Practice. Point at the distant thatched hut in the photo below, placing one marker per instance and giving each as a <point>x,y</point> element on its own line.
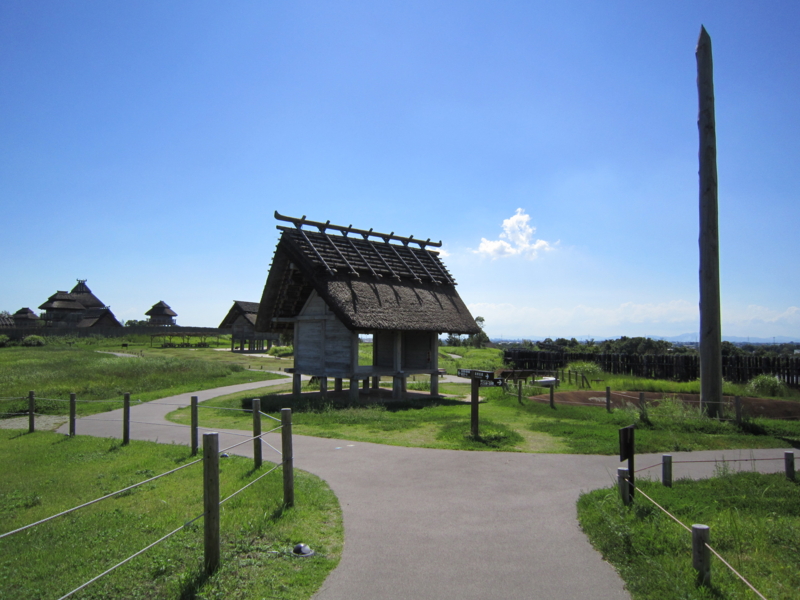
<point>25,318</point>
<point>78,308</point>
<point>161,314</point>
<point>241,320</point>
<point>329,288</point>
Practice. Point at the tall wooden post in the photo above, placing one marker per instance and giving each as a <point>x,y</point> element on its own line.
<point>710,327</point>
<point>476,386</point>
<point>211,501</point>
<point>31,411</point>
<point>257,460</point>
<point>126,419</point>
<point>287,455</point>
<point>195,423</point>
<point>72,411</point>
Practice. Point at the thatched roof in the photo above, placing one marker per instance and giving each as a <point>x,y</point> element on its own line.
<point>248,309</point>
<point>25,314</point>
<point>161,309</point>
<point>102,317</point>
<point>84,295</point>
<point>62,301</point>
<point>6,321</point>
<point>369,284</point>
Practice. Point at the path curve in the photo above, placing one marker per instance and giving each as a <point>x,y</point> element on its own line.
<point>444,524</point>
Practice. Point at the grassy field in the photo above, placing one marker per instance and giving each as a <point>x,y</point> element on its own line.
<point>55,371</point>
<point>505,424</point>
<point>51,473</point>
<point>755,526</point>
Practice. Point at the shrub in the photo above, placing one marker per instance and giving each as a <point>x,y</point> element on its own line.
<point>3,340</point>
<point>766,385</point>
<point>585,367</point>
<point>281,351</point>
<point>34,340</point>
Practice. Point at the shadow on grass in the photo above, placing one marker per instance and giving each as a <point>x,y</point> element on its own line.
<point>191,585</point>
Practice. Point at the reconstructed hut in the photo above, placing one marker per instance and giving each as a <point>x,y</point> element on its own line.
<point>24,318</point>
<point>161,314</point>
<point>241,320</point>
<point>329,284</point>
<point>72,309</point>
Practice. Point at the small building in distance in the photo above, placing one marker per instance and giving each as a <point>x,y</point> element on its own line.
<point>329,288</point>
<point>241,320</point>
<point>71,309</point>
<point>161,314</point>
<point>25,318</point>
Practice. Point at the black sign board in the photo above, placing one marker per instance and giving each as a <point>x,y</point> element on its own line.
<point>473,374</point>
<point>626,443</point>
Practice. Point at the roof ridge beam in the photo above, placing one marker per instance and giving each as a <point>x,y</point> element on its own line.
<point>349,229</point>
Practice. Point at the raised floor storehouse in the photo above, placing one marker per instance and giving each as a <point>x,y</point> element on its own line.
<point>329,284</point>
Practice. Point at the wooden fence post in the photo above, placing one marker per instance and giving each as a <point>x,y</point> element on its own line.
<point>608,399</point>
<point>519,391</point>
<point>701,555</point>
<point>474,426</point>
<point>256,433</point>
<point>288,461</point>
<point>195,425</point>
<point>31,410</point>
<point>666,470</point>
<point>211,501</point>
<point>624,487</point>
<point>126,419</point>
<point>552,397</point>
<point>788,461</point>
<point>72,411</point>
<point>737,403</point>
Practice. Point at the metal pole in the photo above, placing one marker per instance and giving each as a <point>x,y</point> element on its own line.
<point>288,461</point>
<point>195,425</point>
<point>788,461</point>
<point>256,433</point>
<point>72,411</point>
<point>126,419</point>
<point>211,500</point>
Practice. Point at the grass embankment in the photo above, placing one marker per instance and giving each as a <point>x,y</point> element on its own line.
<point>755,526</point>
<point>50,473</point>
<point>505,424</point>
<point>53,372</point>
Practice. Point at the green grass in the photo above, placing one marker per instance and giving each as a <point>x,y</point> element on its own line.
<point>484,359</point>
<point>755,525</point>
<point>670,427</point>
<point>53,372</point>
<point>50,473</point>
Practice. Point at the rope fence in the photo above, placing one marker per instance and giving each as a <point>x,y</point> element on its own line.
<point>703,567</point>
<point>210,460</point>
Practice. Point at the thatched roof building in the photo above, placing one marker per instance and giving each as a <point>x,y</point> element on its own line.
<point>330,285</point>
<point>161,314</point>
<point>71,309</point>
<point>241,320</point>
<point>25,317</point>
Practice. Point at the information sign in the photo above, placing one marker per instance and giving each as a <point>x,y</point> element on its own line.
<point>473,374</point>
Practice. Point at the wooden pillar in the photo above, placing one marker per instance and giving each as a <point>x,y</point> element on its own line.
<point>296,384</point>
<point>376,383</point>
<point>287,456</point>
<point>323,386</point>
<point>366,384</point>
<point>397,363</point>
<point>710,327</point>
<point>337,384</point>
<point>353,389</point>
<point>257,459</point>
<point>474,427</point>
<point>434,364</point>
<point>211,501</point>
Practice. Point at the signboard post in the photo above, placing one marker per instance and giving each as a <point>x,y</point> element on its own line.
<point>626,450</point>
<point>479,378</point>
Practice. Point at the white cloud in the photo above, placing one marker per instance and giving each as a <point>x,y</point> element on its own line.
<point>516,239</point>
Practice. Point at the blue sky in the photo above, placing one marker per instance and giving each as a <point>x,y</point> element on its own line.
<point>552,147</point>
